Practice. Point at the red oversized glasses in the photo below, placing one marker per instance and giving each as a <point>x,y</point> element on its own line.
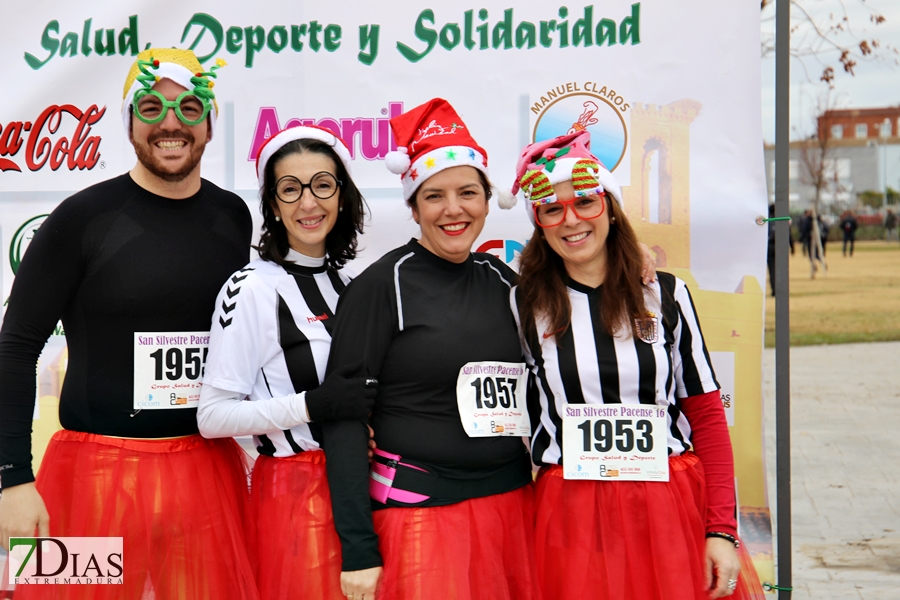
<point>585,208</point>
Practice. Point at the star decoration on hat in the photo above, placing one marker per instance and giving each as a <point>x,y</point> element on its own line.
<point>429,139</point>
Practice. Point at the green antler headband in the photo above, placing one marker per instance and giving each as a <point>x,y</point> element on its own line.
<point>203,83</point>
<point>191,106</point>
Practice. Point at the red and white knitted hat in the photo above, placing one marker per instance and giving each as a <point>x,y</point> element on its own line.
<point>300,132</point>
<point>431,138</point>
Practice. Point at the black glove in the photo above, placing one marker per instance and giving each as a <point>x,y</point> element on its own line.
<point>341,396</point>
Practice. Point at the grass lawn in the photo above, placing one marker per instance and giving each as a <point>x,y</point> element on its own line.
<point>857,300</point>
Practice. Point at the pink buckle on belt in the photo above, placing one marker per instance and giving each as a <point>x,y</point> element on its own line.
<point>381,479</point>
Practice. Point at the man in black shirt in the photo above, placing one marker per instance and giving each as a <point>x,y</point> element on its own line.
<point>132,266</point>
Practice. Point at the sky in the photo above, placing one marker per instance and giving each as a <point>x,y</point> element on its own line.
<point>875,84</point>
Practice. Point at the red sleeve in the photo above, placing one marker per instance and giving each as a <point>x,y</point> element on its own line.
<point>712,444</point>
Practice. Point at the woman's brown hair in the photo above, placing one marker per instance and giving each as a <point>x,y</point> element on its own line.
<point>542,281</point>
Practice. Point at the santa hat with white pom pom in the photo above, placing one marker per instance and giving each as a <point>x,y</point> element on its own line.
<point>431,138</point>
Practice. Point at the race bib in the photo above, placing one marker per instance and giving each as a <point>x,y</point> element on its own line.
<point>615,442</point>
<point>491,399</point>
<point>167,369</point>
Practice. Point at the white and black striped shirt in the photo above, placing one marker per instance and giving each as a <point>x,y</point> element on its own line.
<point>590,366</point>
<point>269,343</point>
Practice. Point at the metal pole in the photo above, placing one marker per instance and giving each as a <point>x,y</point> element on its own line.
<point>782,306</point>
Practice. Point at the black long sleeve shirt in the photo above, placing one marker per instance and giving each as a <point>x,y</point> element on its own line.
<point>112,260</point>
<point>413,320</point>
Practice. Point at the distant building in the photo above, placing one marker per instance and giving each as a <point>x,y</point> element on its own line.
<point>863,155</point>
<point>860,123</point>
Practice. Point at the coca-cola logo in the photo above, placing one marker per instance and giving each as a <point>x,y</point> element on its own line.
<point>80,151</point>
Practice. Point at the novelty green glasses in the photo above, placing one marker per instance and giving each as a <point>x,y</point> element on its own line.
<point>151,107</point>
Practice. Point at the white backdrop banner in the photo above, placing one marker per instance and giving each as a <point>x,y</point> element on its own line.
<point>668,90</point>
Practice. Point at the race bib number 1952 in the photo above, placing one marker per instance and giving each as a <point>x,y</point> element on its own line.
<point>491,399</point>
<point>168,367</point>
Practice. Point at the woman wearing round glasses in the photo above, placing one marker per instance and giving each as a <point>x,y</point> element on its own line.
<point>635,497</point>
<point>268,348</point>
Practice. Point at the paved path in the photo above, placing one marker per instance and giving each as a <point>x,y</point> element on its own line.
<point>845,413</point>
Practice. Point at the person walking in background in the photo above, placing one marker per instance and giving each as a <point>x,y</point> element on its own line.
<point>823,233</point>
<point>813,232</point>
<point>890,226</point>
<point>849,225</point>
<point>770,252</point>
<point>804,228</point>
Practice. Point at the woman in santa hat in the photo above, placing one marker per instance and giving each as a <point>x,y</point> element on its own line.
<point>447,507</point>
<point>635,497</point>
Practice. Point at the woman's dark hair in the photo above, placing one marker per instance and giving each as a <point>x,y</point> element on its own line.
<point>542,281</point>
<point>341,241</point>
<point>485,183</point>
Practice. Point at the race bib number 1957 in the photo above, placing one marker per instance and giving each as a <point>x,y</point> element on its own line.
<point>491,399</point>
<point>168,367</point>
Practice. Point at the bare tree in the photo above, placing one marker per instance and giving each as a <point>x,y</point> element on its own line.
<point>832,40</point>
<point>819,170</point>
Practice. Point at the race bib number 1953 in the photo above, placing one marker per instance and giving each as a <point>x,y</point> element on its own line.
<point>491,399</point>
<point>615,442</point>
<point>168,367</point>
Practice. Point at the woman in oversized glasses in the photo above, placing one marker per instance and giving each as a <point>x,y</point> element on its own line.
<point>635,497</point>
<point>271,334</point>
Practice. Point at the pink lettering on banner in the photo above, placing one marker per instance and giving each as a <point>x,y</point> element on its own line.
<point>369,136</point>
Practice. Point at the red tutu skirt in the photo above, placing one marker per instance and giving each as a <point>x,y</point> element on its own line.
<point>479,549</point>
<point>179,505</point>
<point>291,504</point>
<point>627,539</point>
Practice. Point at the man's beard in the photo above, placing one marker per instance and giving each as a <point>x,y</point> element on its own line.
<point>159,167</point>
